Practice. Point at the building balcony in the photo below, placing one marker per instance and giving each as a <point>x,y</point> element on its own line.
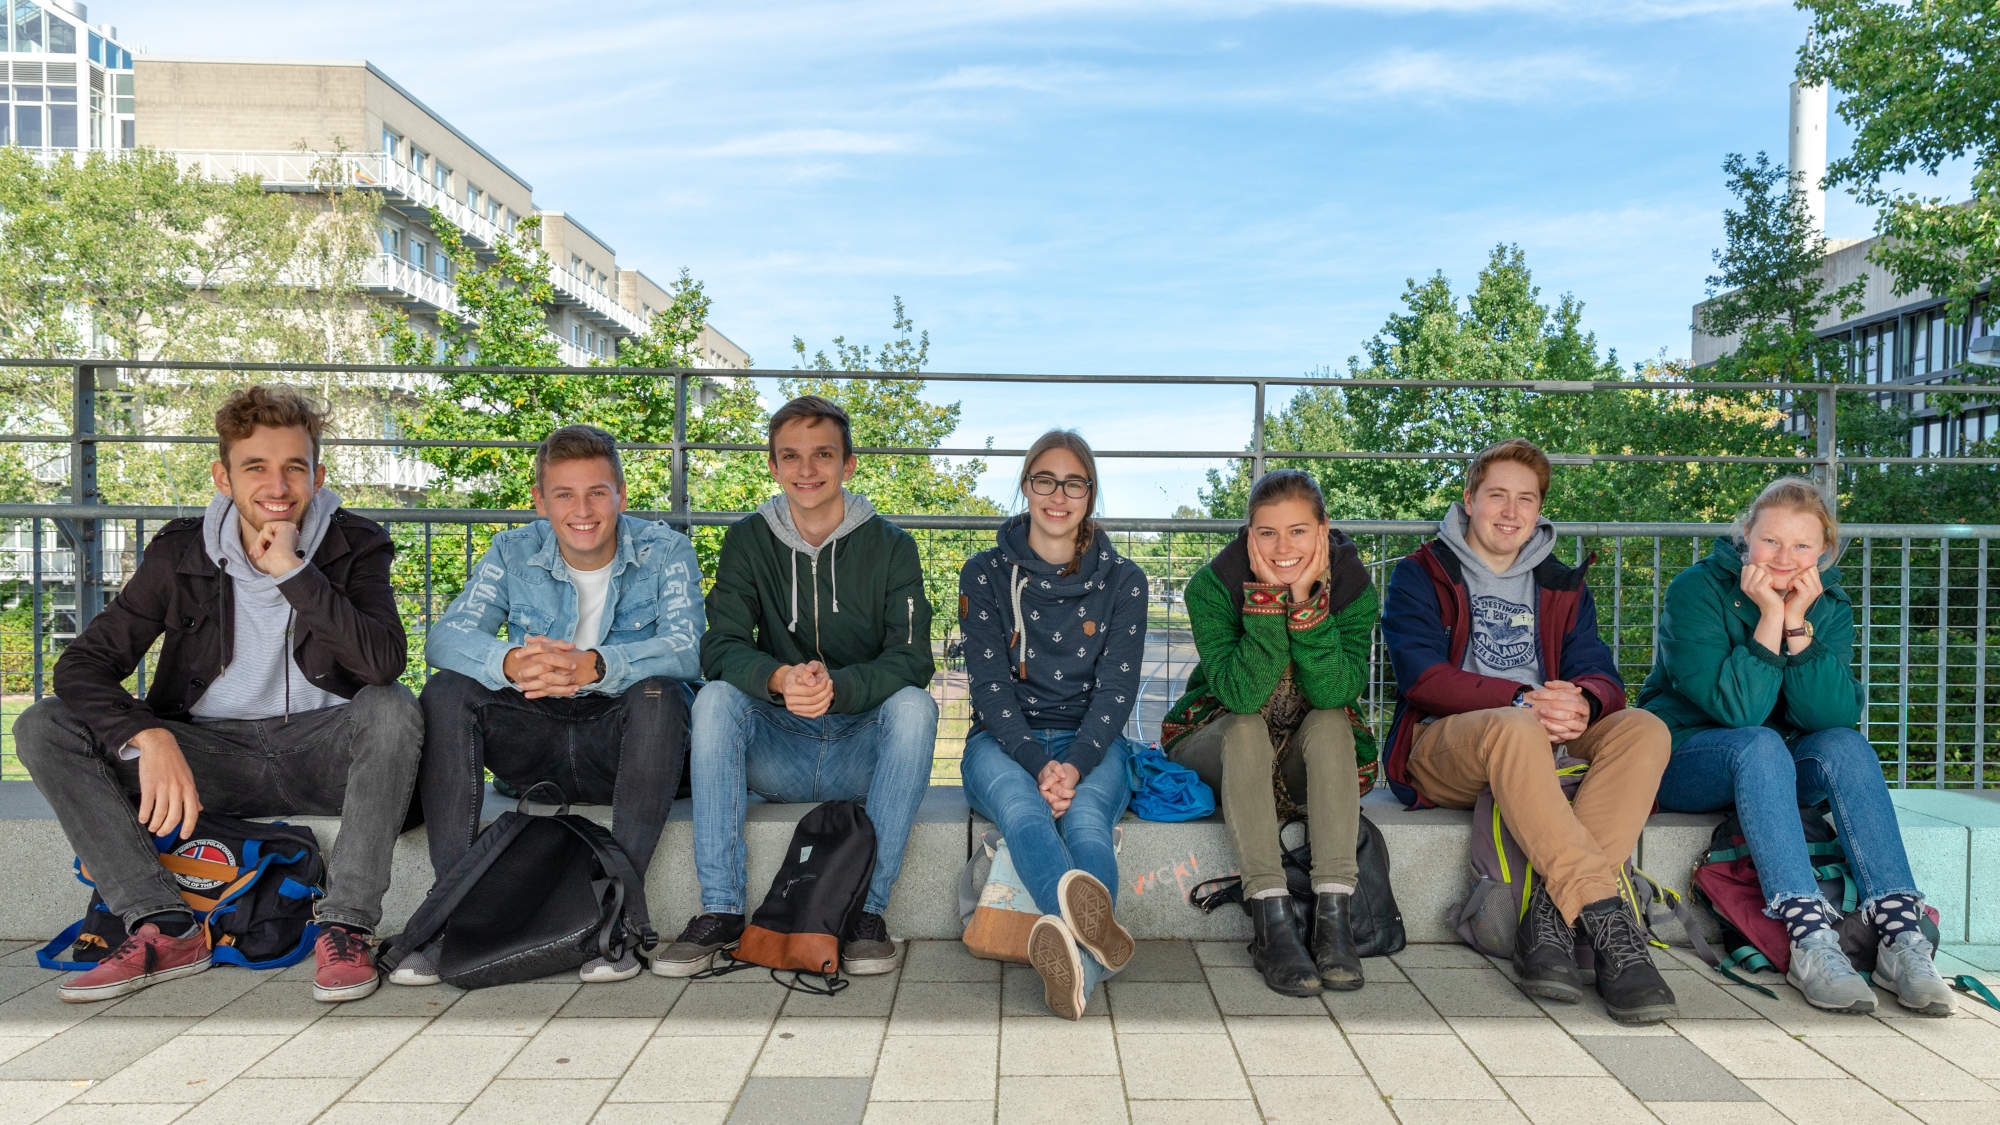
<point>573,290</point>
<point>401,188</point>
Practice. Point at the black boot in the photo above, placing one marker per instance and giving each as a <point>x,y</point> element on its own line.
<point>1333,952</point>
<point>1633,990</point>
<point>1278,950</point>
<point>1545,951</point>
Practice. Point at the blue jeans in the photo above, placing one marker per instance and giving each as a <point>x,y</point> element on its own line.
<point>742,745</point>
<point>1044,846</point>
<point>1768,781</point>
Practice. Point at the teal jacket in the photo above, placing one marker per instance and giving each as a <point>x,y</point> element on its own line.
<point>1709,672</point>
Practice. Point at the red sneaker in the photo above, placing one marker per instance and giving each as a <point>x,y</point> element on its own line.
<point>346,966</point>
<point>143,960</point>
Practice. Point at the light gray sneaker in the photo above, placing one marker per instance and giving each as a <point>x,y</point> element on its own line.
<point>1827,979</point>
<point>599,970</point>
<point>416,970</point>
<point>1903,965</point>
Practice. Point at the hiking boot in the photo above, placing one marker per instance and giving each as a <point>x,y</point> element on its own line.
<point>1333,954</point>
<point>601,970</point>
<point>1903,965</point>
<point>705,936</point>
<point>345,966</point>
<point>868,950</point>
<point>140,961</point>
<point>1052,953</point>
<point>1545,951</point>
<point>1277,949</point>
<point>418,969</point>
<point>1632,989</point>
<point>1086,910</point>
<point>1822,973</point>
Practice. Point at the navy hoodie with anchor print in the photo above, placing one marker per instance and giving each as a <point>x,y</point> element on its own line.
<point>1048,651</point>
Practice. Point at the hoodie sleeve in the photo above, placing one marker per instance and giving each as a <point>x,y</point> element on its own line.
<point>1330,649</point>
<point>1117,672</point>
<point>1243,654</point>
<point>905,656</point>
<point>990,683</point>
<point>729,649</point>
<point>1735,685</point>
<point>466,639</point>
<point>673,649</point>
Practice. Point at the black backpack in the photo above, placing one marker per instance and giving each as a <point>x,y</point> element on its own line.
<point>813,901</point>
<point>1376,922</point>
<point>539,893</point>
<point>252,884</point>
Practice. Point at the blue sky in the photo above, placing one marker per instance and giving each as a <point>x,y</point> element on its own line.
<point>1178,187</point>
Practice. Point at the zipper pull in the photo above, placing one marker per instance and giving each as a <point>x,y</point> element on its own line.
<point>910,621</point>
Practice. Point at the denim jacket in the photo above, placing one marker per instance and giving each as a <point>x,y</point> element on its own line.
<point>653,610</point>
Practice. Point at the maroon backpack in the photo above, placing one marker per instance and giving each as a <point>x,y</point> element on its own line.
<point>1725,881</point>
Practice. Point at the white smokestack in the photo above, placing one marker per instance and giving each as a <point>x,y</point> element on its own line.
<point>1807,160</point>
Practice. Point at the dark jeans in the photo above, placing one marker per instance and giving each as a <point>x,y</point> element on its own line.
<point>357,761</point>
<point>625,751</point>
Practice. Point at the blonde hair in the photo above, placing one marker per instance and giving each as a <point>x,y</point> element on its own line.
<point>1086,529</point>
<point>1795,494</point>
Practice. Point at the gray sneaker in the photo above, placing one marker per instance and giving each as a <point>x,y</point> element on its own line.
<point>705,936</point>
<point>417,970</point>
<point>1823,974</point>
<point>600,970</point>
<point>868,950</point>
<point>1903,965</point>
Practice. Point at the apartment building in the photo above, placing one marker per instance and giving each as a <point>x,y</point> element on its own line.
<point>67,85</point>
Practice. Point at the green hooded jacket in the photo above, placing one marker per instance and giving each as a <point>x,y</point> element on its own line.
<point>855,602</point>
<point>1709,672</point>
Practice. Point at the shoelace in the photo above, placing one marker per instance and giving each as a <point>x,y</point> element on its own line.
<point>703,930</point>
<point>1826,961</point>
<point>870,927</point>
<point>1549,928</point>
<point>1617,937</point>
<point>344,946</point>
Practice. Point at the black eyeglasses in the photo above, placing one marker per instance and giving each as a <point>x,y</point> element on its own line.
<point>1045,484</point>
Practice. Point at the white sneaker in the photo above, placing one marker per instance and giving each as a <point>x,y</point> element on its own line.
<point>1826,978</point>
<point>1904,967</point>
<point>416,970</point>
<point>598,970</point>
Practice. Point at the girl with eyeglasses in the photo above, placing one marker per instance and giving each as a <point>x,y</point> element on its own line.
<point>1282,619</point>
<point>1055,628</point>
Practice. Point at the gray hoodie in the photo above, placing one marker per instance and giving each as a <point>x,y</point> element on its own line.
<point>1503,640</point>
<point>261,680</point>
<point>777,512</point>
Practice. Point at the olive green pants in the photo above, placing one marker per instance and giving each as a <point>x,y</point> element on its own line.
<point>1233,755</point>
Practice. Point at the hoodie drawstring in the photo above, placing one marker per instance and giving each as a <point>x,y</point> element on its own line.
<point>794,626</point>
<point>833,571</point>
<point>1016,584</point>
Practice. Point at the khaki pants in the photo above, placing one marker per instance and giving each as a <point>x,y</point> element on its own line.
<point>1578,848</point>
<point>1233,755</point>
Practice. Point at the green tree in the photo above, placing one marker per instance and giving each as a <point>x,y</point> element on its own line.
<point>1920,85</point>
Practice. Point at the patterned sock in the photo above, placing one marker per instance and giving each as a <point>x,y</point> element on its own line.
<point>1892,914</point>
<point>1802,916</point>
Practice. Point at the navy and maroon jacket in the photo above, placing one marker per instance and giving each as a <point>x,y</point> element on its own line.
<point>1427,622</point>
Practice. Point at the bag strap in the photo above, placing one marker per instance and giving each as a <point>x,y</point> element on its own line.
<point>1228,889</point>
<point>1973,986</point>
<point>627,899</point>
<point>971,879</point>
<point>451,888</point>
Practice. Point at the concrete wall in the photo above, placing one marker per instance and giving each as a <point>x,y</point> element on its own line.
<point>1846,260</point>
<point>252,107</point>
<point>563,236</point>
<point>388,106</point>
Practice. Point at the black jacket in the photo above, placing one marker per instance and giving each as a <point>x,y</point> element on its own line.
<point>348,634</point>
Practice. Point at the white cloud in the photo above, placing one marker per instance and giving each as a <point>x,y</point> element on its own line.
<point>810,142</point>
<point>1052,79</point>
<point>1429,75</point>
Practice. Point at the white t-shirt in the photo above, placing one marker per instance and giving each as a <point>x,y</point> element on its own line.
<point>593,588</point>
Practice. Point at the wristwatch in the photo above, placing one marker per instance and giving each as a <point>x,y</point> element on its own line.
<point>600,662</point>
<point>1521,697</point>
<point>1806,631</point>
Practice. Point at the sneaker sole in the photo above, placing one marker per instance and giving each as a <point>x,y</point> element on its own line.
<point>347,992</point>
<point>678,969</point>
<point>608,974</point>
<point>1650,1013</point>
<point>1053,955</point>
<point>1936,1010</point>
<point>869,966</point>
<point>92,995</point>
<point>1559,991</point>
<point>1087,910</point>
<point>1860,1007</point>
<point>407,979</point>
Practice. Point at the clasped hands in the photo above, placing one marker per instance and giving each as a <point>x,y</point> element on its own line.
<point>1057,783</point>
<point>1756,583</point>
<point>807,689</point>
<point>543,668</point>
<point>1561,707</point>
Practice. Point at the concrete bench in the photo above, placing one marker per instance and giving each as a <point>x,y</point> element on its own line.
<point>1953,839</point>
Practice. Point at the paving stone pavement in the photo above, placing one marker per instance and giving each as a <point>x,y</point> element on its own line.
<point>1186,1034</point>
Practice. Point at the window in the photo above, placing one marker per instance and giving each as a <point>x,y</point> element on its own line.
<point>392,144</point>
<point>27,26</point>
<point>441,177</point>
<point>419,161</point>
<point>493,210</point>
<point>1920,344</point>
<point>62,126</point>
<point>1939,360</point>
<point>446,268</point>
<point>472,199</point>
<point>128,134</point>
<point>122,88</point>
<point>575,265</point>
<point>96,48</point>
<point>420,255</point>
<point>392,241</point>
<point>28,126</point>
<point>62,94</point>
<point>62,35</point>
<point>576,334</point>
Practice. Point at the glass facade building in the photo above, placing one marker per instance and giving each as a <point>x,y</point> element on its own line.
<point>68,85</point>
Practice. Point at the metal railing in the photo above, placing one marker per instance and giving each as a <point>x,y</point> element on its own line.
<point>1926,657</point>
